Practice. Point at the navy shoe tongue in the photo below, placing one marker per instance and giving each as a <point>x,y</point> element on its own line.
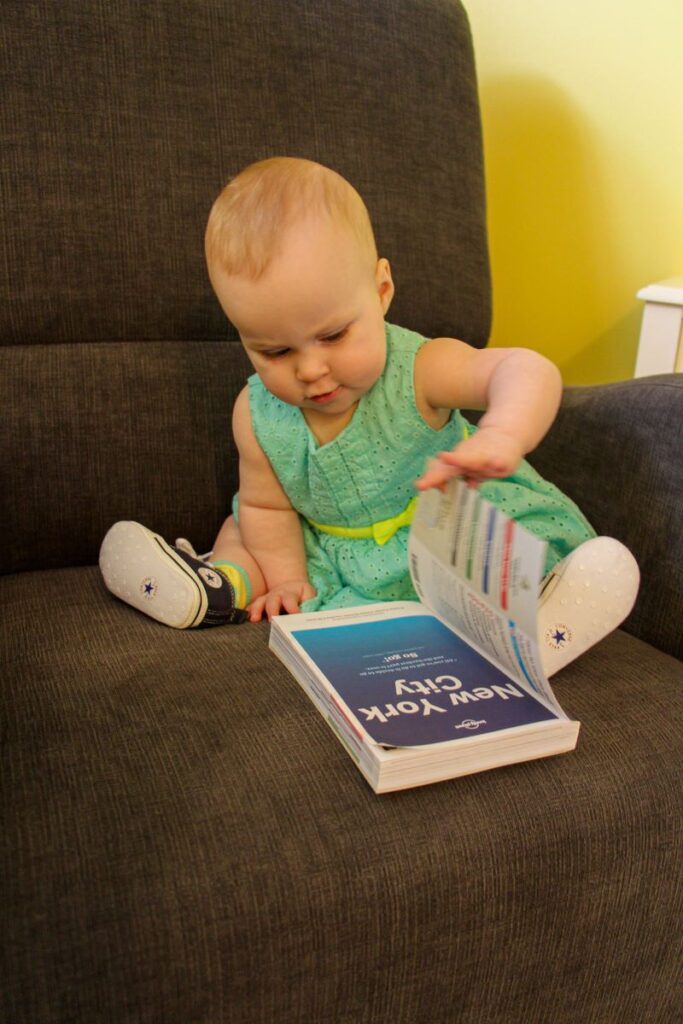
<point>220,595</point>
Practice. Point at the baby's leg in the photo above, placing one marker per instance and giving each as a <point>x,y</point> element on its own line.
<point>585,596</point>
<point>229,554</point>
<point>171,585</point>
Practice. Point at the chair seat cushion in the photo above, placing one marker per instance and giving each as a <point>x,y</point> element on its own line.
<point>186,839</point>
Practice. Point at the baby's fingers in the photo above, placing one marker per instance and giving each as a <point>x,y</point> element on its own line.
<point>477,462</point>
<point>289,603</point>
<point>437,474</point>
<point>256,608</point>
<point>276,601</point>
<point>291,598</point>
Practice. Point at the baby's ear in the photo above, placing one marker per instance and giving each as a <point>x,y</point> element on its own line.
<point>385,283</point>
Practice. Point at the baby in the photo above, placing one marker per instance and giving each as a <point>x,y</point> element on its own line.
<point>344,418</point>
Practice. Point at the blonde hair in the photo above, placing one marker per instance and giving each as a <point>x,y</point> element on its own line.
<point>248,219</point>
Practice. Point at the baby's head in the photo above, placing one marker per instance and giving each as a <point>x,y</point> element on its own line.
<point>250,219</point>
<point>292,257</point>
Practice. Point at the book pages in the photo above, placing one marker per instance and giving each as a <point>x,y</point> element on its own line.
<point>480,572</point>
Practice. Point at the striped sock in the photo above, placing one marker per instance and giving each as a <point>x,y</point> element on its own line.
<point>238,580</point>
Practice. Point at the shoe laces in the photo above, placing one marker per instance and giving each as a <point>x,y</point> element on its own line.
<point>183,544</point>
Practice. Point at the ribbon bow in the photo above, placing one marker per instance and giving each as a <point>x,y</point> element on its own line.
<point>380,532</point>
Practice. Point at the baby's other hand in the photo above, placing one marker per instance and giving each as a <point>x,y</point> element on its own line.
<point>485,455</point>
<point>285,596</point>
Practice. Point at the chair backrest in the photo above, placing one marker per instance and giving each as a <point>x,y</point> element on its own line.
<point>121,122</point>
<point>119,125</point>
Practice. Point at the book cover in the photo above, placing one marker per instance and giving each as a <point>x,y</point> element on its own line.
<point>412,681</point>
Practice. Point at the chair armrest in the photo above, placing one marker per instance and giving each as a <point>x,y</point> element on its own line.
<point>617,450</point>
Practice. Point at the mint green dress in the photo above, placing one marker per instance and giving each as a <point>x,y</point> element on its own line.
<point>366,475</point>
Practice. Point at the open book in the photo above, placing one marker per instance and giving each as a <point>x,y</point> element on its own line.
<point>419,692</point>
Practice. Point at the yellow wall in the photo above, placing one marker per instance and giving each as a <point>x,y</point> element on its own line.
<point>582,105</point>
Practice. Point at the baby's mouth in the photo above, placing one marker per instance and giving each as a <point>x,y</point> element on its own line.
<point>325,396</point>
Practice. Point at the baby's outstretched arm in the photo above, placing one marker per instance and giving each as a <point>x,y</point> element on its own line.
<point>269,527</point>
<point>520,390</point>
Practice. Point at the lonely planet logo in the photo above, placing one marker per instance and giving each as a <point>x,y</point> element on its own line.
<point>471,723</point>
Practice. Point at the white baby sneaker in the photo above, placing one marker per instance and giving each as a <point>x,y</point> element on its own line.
<point>586,595</point>
<point>166,582</point>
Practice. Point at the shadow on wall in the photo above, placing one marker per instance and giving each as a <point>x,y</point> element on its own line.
<point>609,357</point>
<point>563,281</point>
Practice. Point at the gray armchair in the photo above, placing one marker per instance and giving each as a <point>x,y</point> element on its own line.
<point>184,840</point>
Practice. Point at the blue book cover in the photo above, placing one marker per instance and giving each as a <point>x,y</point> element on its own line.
<point>410,681</point>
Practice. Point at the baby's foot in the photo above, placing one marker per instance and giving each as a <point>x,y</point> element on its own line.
<point>587,595</point>
<point>163,581</point>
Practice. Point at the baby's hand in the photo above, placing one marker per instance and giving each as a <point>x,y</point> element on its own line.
<point>487,454</point>
<point>285,596</point>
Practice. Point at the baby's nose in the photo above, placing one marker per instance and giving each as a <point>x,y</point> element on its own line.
<point>311,366</point>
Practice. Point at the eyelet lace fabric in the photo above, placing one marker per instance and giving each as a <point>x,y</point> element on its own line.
<point>366,475</point>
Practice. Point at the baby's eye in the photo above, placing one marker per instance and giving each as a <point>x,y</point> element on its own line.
<point>275,353</point>
<point>336,337</point>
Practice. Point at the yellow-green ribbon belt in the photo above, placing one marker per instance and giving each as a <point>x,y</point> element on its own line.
<point>380,532</point>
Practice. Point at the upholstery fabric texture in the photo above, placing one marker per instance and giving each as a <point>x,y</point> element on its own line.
<point>122,122</point>
<point>617,451</point>
<point>126,430</point>
<point>190,842</point>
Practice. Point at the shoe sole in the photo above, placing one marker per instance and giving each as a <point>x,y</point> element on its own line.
<point>140,568</point>
<point>587,596</point>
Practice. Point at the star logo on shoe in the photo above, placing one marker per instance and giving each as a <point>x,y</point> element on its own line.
<point>149,587</point>
<point>558,636</point>
<point>211,577</point>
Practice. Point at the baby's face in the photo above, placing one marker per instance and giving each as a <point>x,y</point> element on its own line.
<point>313,325</point>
